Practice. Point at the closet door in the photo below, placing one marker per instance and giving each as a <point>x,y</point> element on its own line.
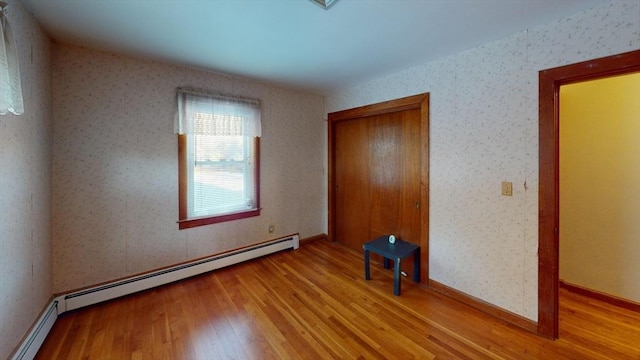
<point>377,163</point>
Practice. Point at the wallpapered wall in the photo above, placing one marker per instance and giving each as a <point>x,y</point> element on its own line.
<point>25,187</point>
<point>115,167</point>
<point>484,130</point>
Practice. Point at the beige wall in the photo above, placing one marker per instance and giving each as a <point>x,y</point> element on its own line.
<point>115,167</point>
<point>600,185</point>
<point>25,187</point>
<point>483,130</point>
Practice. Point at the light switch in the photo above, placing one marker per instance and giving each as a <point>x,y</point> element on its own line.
<point>507,188</point>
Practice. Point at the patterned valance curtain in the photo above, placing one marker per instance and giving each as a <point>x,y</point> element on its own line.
<point>10,88</point>
<point>203,113</point>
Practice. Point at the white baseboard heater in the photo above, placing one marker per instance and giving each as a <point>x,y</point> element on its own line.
<point>115,289</point>
<point>38,333</point>
<point>156,278</point>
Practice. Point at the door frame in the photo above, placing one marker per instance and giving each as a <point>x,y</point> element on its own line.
<point>421,102</point>
<point>550,81</point>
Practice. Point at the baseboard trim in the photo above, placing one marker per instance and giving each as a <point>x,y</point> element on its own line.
<point>600,296</point>
<point>485,307</point>
<point>315,238</point>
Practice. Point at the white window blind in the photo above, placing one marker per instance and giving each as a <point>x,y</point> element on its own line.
<point>228,114</point>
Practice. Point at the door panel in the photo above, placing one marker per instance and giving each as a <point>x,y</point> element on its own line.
<point>352,198</point>
<point>385,173</point>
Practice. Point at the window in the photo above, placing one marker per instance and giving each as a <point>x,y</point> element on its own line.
<point>218,151</point>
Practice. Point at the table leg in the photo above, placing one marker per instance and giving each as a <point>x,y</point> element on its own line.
<point>416,266</point>
<point>366,265</point>
<point>385,263</point>
<point>396,278</point>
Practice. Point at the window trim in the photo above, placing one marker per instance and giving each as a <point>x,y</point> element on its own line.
<point>184,222</point>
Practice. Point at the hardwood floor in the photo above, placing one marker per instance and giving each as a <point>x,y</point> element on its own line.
<point>313,303</point>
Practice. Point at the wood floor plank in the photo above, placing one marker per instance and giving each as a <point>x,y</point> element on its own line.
<point>313,303</point>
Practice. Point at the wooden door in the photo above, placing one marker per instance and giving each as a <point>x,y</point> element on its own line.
<point>377,179</point>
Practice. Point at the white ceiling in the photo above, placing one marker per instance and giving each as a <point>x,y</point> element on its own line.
<point>294,43</point>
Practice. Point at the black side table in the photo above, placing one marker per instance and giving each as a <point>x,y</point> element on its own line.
<point>396,252</point>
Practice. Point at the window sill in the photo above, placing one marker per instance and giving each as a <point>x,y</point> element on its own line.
<point>195,222</point>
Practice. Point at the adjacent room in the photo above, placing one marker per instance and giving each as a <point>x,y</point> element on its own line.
<point>197,179</point>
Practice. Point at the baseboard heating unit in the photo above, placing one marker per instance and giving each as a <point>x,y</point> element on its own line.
<point>149,280</point>
<point>35,338</point>
<point>115,289</point>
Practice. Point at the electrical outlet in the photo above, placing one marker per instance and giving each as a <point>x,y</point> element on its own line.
<point>271,229</point>
<point>507,188</point>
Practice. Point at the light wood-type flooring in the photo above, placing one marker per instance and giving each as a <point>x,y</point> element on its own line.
<point>313,303</point>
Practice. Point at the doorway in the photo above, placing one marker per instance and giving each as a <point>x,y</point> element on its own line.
<point>600,188</point>
<point>378,174</point>
<point>548,214</point>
